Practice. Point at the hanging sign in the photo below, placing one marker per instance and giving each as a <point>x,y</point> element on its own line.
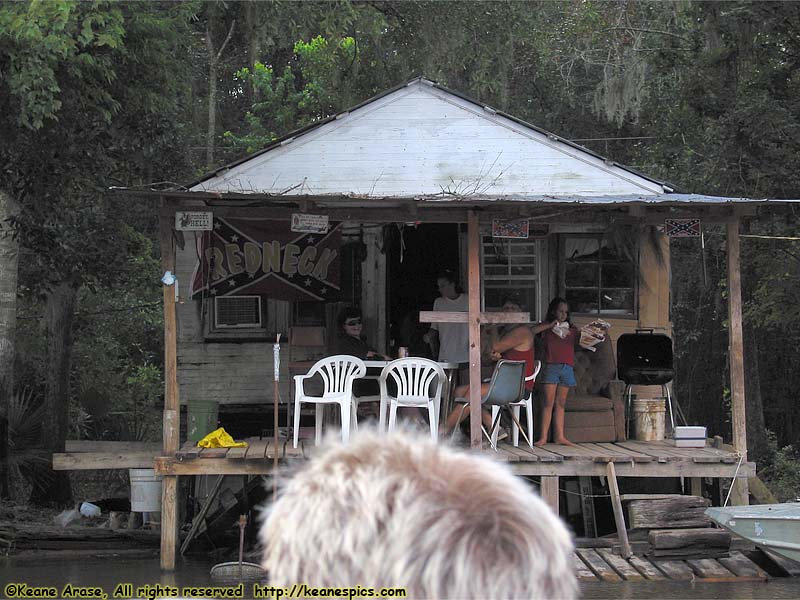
<point>264,257</point>
<point>194,221</point>
<point>518,228</point>
<point>682,227</point>
<point>303,223</point>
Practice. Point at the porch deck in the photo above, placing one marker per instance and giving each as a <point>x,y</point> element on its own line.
<point>630,458</point>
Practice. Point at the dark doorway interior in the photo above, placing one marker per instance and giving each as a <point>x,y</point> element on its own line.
<point>415,255</point>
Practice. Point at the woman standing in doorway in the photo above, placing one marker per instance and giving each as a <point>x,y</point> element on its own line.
<point>558,375</point>
<point>450,341</point>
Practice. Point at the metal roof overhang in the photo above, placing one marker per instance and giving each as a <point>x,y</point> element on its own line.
<point>363,201</point>
<point>450,208</point>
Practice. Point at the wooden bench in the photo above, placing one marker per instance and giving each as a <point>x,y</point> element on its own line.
<point>85,455</point>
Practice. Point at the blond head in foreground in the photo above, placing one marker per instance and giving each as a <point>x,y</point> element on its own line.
<point>398,510</point>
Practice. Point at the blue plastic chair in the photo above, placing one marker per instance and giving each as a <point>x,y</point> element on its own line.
<point>506,387</point>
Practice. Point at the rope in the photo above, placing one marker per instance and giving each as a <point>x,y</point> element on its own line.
<point>730,489</point>
<point>768,237</point>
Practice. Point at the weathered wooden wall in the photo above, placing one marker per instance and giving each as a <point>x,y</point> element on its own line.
<point>230,372</point>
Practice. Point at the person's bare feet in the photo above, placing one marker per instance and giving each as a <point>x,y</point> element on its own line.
<point>563,442</point>
<point>540,443</point>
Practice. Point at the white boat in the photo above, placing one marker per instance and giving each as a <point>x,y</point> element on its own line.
<point>775,527</point>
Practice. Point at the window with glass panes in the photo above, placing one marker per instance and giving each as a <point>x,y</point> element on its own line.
<point>511,265</point>
<point>598,278</point>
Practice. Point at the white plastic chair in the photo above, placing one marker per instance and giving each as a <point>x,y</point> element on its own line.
<point>338,373</point>
<point>527,402</point>
<point>419,383</point>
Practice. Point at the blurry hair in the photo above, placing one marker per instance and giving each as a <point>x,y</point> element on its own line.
<point>553,306</point>
<point>349,312</point>
<point>399,510</point>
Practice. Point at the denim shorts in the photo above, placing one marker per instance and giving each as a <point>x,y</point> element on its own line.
<point>558,373</point>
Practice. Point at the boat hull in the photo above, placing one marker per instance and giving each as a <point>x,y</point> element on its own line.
<point>775,527</point>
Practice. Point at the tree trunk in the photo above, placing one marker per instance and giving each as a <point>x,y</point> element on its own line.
<point>213,73</point>
<point>53,487</point>
<point>757,449</point>
<point>253,31</point>
<point>212,99</point>
<point>9,261</point>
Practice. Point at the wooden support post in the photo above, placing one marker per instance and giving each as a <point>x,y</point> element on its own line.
<point>548,490</point>
<point>474,321</point>
<point>696,486</point>
<point>587,507</point>
<point>619,516</point>
<point>373,290</point>
<point>740,494</point>
<point>171,423</point>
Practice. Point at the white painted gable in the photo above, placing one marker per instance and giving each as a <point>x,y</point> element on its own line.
<point>422,140</point>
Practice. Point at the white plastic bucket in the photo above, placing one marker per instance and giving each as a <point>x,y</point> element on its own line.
<point>145,490</point>
<point>649,419</point>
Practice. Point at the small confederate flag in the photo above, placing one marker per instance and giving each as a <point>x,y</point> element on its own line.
<point>682,227</point>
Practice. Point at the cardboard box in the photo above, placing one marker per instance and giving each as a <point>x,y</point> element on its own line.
<point>692,436</point>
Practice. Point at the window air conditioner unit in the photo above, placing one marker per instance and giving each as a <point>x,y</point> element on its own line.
<point>232,312</point>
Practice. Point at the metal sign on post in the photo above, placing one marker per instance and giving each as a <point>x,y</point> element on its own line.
<point>682,227</point>
<point>303,223</point>
<point>194,221</point>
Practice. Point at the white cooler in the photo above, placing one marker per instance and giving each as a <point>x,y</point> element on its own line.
<point>691,436</point>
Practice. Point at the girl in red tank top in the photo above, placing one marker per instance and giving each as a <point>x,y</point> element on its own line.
<point>558,375</point>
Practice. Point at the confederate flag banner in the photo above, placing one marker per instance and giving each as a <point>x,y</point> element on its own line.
<point>263,257</point>
<point>682,227</point>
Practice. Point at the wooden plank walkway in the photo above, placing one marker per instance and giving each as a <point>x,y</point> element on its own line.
<point>602,564</point>
<point>631,459</point>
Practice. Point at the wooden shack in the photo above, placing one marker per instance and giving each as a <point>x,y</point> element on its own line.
<point>416,179</point>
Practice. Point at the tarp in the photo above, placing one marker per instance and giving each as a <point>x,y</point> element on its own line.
<point>264,257</point>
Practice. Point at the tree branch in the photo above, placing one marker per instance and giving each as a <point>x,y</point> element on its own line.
<point>641,30</point>
<point>227,39</point>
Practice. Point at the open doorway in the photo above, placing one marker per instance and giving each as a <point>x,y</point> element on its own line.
<point>415,255</point>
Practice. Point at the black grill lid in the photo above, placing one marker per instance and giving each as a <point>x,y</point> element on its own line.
<point>644,358</point>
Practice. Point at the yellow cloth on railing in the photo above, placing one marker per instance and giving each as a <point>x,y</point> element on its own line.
<point>219,438</point>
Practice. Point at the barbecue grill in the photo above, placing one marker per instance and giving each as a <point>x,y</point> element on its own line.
<point>645,358</point>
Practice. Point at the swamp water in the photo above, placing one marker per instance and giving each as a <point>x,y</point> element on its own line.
<point>108,573</point>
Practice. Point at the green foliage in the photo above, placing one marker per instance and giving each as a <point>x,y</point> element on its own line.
<point>25,416</point>
<point>72,66</point>
<point>42,37</point>
<point>274,113</point>
<point>117,377</point>
<point>306,91</point>
<point>782,471</point>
